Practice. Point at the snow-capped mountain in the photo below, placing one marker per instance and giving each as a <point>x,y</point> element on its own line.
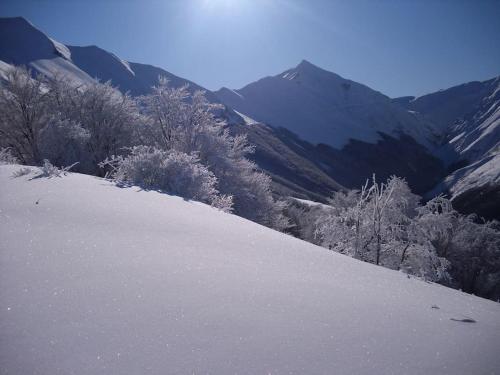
<point>99,279</point>
<point>322,107</point>
<point>23,44</point>
<point>347,129</point>
<point>468,117</point>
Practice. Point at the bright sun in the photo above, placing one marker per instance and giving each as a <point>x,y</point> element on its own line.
<point>222,3</point>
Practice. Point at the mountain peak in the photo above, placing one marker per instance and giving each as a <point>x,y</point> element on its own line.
<point>305,66</point>
<point>305,63</point>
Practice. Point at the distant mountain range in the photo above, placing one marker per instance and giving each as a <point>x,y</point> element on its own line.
<point>316,132</point>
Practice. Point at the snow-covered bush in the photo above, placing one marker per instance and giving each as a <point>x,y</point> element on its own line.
<point>21,172</point>
<point>184,122</point>
<point>47,169</point>
<point>6,156</point>
<point>173,172</point>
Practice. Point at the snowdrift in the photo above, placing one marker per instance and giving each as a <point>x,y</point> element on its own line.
<point>99,279</point>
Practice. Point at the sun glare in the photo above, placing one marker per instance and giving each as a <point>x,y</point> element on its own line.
<point>223,4</point>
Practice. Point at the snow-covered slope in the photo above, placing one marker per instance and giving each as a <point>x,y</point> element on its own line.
<point>482,173</point>
<point>98,279</point>
<point>322,107</point>
<point>128,76</point>
<point>468,116</point>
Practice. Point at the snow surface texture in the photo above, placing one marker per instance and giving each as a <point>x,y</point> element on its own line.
<point>322,107</point>
<point>98,279</point>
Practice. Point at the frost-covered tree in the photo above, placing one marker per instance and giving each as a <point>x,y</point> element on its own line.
<point>342,227</point>
<point>370,224</point>
<point>472,248</point>
<point>385,224</point>
<point>376,224</point>
<point>23,113</point>
<point>63,141</point>
<point>435,224</point>
<point>104,113</point>
<point>44,118</point>
<point>184,122</point>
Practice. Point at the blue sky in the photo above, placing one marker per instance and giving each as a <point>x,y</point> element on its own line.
<point>398,47</point>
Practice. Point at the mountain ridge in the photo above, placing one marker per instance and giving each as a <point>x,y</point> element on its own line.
<point>334,132</point>
<point>335,109</point>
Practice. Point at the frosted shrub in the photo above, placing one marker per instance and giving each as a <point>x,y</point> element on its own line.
<point>63,141</point>
<point>21,172</point>
<point>6,156</point>
<point>169,171</point>
<point>50,170</point>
